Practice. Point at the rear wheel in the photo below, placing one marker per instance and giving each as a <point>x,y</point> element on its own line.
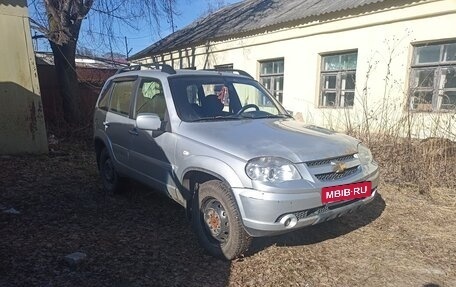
<point>217,221</point>
<point>112,182</point>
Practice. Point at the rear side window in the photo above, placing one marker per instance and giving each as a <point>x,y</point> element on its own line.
<point>104,98</point>
<point>121,96</point>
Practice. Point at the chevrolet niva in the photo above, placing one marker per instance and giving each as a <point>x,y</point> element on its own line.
<point>220,145</point>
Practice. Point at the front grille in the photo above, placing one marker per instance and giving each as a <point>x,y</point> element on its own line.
<point>328,160</point>
<point>335,176</point>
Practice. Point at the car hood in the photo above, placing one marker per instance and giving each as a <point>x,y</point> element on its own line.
<point>284,138</point>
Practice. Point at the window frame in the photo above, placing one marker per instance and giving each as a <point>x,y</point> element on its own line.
<point>438,89</point>
<point>277,94</point>
<point>339,91</point>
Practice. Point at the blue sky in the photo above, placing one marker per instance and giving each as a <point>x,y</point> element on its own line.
<point>188,11</point>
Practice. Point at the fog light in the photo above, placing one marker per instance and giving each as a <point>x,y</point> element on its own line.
<point>289,220</point>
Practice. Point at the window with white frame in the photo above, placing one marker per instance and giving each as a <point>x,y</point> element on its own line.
<point>338,80</point>
<point>271,76</point>
<point>433,77</point>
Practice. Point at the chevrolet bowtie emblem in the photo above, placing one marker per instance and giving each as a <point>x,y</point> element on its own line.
<point>338,166</point>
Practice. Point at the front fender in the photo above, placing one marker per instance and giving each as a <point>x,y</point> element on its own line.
<point>211,166</point>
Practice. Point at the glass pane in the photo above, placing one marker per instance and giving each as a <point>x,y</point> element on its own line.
<point>331,63</point>
<point>266,68</point>
<point>121,95</point>
<point>150,89</point>
<point>279,83</point>
<point>249,94</point>
<point>278,67</point>
<point>279,96</point>
<point>348,81</point>
<point>330,81</point>
<point>349,99</point>
<point>104,101</point>
<point>422,100</point>
<point>151,99</point>
<point>428,54</point>
<point>192,94</point>
<point>450,79</point>
<point>267,82</point>
<point>424,78</point>
<point>349,61</point>
<point>329,99</point>
<point>449,101</point>
<point>450,52</point>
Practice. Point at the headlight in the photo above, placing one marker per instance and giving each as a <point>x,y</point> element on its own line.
<point>364,154</point>
<point>271,169</point>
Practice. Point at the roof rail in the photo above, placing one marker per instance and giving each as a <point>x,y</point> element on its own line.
<point>163,67</point>
<point>240,72</point>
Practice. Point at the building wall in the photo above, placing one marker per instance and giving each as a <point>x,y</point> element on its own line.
<point>384,40</point>
<point>22,128</point>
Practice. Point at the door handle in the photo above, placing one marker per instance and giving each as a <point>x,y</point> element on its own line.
<point>133,132</point>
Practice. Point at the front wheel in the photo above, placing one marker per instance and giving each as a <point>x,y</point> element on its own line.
<point>217,221</point>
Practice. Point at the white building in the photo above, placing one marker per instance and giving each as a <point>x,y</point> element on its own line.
<point>361,65</point>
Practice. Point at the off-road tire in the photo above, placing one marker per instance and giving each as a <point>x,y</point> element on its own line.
<point>235,240</point>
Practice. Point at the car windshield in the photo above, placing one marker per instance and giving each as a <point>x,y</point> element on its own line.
<point>213,98</point>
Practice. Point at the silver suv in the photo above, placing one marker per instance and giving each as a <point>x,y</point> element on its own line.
<point>220,145</point>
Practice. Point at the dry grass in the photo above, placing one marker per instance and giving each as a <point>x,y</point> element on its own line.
<point>419,164</point>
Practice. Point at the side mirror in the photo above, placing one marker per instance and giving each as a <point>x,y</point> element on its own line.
<point>148,122</point>
<point>290,112</point>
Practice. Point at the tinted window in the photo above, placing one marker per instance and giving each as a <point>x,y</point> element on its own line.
<point>120,98</point>
<point>103,103</point>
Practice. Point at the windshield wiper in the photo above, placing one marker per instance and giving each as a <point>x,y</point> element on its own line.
<point>280,116</point>
<point>215,118</point>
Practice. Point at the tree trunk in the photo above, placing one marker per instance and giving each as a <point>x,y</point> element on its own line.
<point>65,67</point>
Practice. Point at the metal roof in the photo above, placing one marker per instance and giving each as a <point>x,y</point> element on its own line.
<point>248,16</point>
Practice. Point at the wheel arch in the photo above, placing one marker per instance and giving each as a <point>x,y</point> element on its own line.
<point>99,145</point>
<point>212,169</point>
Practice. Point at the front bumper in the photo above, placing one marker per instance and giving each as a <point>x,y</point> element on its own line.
<point>262,212</point>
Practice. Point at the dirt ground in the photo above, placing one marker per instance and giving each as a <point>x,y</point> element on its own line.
<point>140,238</point>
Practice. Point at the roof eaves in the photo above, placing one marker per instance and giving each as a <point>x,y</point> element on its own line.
<point>194,34</point>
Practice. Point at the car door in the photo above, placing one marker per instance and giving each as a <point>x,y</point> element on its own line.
<point>119,123</point>
<point>151,152</point>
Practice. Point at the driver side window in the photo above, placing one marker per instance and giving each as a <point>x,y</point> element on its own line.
<point>150,98</point>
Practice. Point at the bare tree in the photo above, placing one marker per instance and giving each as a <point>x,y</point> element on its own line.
<point>60,22</point>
